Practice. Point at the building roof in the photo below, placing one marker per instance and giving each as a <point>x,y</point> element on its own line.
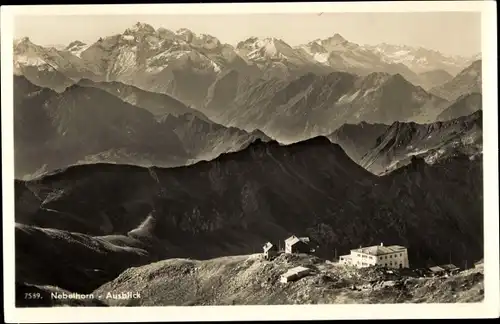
<point>380,249</point>
<point>449,266</point>
<point>296,270</point>
<point>268,246</point>
<point>436,269</point>
<point>294,240</point>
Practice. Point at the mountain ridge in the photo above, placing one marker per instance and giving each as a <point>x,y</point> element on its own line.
<point>57,124</point>
<point>234,203</point>
<point>164,61</point>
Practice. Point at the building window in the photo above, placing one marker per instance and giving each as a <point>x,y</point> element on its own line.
<point>400,254</point>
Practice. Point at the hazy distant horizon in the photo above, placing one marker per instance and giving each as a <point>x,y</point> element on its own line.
<point>452,33</point>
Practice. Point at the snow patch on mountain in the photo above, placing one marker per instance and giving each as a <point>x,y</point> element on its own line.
<point>32,61</point>
<point>77,48</point>
<point>125,61</point>
<point>128,37</point>
<point>419,59</point>
<point>346,98</point>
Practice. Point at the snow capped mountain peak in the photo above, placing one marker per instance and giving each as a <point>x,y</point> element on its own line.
<point>76,47</point>
<point>269,47</point>
<point>24,41</point>
<point>271,44</point>
<point>140,28</point>
<point>418,58</point>
<point>27,53</point>
<point>75,43</point>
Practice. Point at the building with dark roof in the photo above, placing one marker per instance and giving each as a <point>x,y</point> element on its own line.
<point>295,244</point>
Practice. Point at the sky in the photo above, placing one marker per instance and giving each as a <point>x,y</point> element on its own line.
<point>455,33</point>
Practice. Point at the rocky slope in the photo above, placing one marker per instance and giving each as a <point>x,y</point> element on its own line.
<point>317,105</point>
<point>181,63</point>
<point>249,280</point>
<point>276,59</point>
<point>357,139</point>
<point>233,204</point>
<point>467,81</point>
<point>48,67</point>
<point>206,140</point>
<point>381,148</point>
<point>401,141</point>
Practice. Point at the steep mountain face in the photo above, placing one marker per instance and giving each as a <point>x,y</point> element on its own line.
<point>276,59</point>
<point>357,139</point>
<point>463,106</point>
<point>232,204</point>
<point>434,78</point>
<point>179,63</point>
<point>432,142</point>
<point>156,103</point>
<point>382,148</point>
<point>49,67</point>
<point>76,48</point>
<point>342,55</point>
<point>316,105</point>
<point>467,81</point>
<point>223,92</point>
<point>205,140</point>
<point>54,130</point>
<point>420,59</point>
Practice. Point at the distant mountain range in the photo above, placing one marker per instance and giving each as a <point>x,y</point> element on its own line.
<point>184,64</point>
<point>85,124</point>
<point>421,60</point>
<point>243,108</point>
<point>313,105</point>
<point>133,215</point>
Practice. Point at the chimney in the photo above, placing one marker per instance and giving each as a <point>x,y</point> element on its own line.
<point>381,244</point>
